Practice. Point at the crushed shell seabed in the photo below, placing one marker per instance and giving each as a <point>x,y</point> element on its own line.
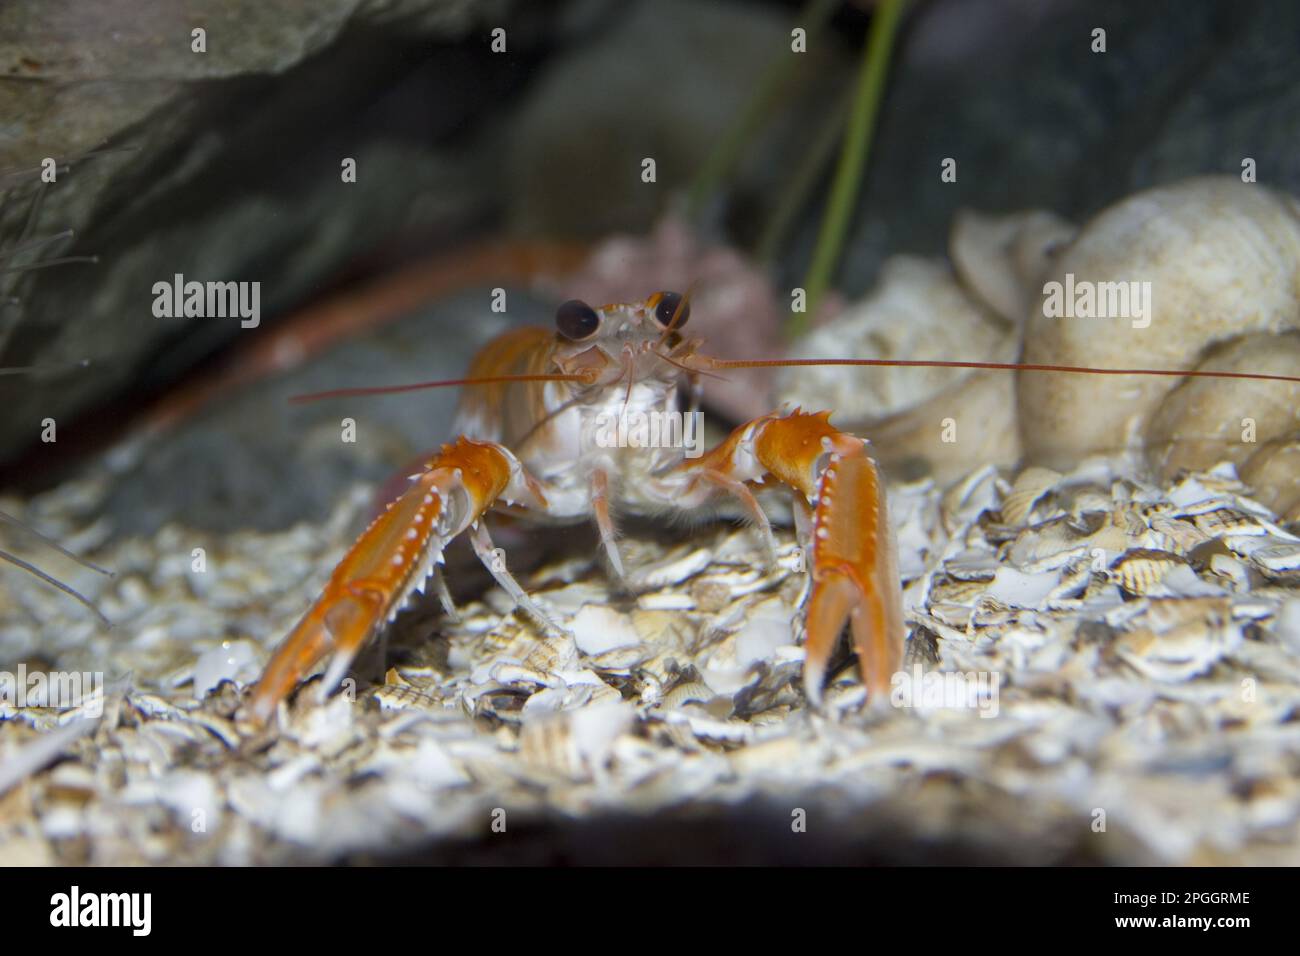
<point>1145,644</point>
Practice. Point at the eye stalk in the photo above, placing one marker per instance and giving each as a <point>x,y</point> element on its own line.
<point>669,303</point>
<point>576,320</point>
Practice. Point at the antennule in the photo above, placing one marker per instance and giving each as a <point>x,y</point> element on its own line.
<point>46,263</point>
<point>28,369</point>
<point>683,309</point>
<point>31,244</point>
<point>18,523</point>
<point>56,583</point>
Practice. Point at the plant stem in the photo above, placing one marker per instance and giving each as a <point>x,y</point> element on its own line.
<point>853,157</point>
<point>774,84</point>
<point>806,176</point>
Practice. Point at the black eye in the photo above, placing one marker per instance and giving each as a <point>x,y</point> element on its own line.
<point>576,320</point>
<point>667,307</point>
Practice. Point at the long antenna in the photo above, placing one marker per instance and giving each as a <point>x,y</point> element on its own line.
<point>721,364</point>
<point>1005,366</point>
<point>419,386</point>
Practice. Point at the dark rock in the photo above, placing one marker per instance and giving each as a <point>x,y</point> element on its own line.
<point>226,166</point>
<point>1036,119</point>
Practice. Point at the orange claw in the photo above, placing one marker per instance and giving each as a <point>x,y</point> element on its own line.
<point>854,570</point>
<point>855,576</point>
<point>853,567</point>
<point>392,559</point>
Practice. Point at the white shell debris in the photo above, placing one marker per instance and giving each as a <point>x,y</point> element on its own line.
<point>598,630</point>
<point>1080,640</point>
<point>232,660</point>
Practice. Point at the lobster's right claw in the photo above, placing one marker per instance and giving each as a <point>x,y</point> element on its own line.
<point>392,559</point>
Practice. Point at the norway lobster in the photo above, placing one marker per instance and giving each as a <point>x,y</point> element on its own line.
<point>526,446</point>
<point>525,443</point>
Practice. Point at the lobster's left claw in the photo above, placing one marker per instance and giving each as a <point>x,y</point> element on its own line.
<point>853,564</point>
<point>855,576</point>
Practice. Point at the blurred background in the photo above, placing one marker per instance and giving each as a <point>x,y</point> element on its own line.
<point>478,169</point>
